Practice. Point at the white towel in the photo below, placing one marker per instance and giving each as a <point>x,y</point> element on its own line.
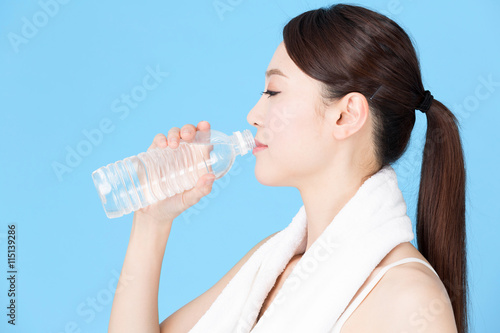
<point>330,272</point>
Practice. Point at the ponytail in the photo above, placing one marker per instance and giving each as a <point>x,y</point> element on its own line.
<point>441,207</point>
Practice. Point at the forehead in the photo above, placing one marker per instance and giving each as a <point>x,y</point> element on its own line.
<point>282,62</point>
<point>295,77</point>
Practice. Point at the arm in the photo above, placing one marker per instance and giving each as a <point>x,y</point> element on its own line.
<point>415,301</point>
<point>135,304</point>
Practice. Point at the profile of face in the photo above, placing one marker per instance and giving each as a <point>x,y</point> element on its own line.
<point>302,146</point>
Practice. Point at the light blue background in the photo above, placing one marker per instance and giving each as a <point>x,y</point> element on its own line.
<point>64,80</point>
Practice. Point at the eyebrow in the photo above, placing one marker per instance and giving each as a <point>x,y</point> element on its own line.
<point>274,71</point>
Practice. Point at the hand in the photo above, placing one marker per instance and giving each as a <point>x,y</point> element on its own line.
<point>169,208</point>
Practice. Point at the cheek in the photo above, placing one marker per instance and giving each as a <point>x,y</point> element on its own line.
<point>293,124</point>
<point>294,141</point>
<point>283,122</point>
<point>295,146</point>
<point>288,160</point>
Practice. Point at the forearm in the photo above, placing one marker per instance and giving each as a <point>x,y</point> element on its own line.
<point>135,304</point>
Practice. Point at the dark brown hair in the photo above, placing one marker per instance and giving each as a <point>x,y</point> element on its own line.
<point>353,49</point>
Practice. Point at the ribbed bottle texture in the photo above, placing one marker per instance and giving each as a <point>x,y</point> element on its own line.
<point>138,181</point>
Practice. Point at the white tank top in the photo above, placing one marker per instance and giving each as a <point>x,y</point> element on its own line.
<point>347,312</point>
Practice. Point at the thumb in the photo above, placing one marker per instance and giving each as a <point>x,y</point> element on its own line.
<point>203,187</point>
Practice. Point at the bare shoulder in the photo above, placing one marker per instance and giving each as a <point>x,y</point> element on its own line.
<point>414,299</point>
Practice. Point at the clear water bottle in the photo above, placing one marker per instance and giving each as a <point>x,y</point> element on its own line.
<point>139,181</point>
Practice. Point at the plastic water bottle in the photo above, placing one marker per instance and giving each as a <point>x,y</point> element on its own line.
<point>139,181</point>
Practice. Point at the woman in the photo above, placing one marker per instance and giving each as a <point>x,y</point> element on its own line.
<point>347,81</point>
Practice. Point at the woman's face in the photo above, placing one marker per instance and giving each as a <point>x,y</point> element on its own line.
<point>299,144</point>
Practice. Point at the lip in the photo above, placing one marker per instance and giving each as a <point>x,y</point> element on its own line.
<point>257,149</point>
<point>259,144</point>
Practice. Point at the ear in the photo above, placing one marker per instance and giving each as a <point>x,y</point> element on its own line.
<point>351,113</point>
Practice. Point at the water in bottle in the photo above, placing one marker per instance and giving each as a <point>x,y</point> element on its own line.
<point>139,181</point>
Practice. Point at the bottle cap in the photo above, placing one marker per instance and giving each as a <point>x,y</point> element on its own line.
<point>244,142</point>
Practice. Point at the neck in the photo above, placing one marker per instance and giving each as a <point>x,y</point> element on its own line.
<point>324,197</point>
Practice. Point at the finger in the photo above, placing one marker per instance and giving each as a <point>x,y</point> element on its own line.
<point>173,137</point>
<point>203,125</point>
<point>188,132</point>
<point>159,141</point>
<point>203,187</point>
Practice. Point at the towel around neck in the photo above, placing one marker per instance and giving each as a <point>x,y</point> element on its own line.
<point>328,275</point>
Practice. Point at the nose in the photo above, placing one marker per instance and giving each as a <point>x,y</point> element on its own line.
<point>256,115</point>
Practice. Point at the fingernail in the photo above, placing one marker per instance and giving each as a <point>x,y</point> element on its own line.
<point>187,132</point>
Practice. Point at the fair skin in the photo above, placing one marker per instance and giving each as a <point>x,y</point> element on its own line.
<point>326,182</point>
<point>326,158</point>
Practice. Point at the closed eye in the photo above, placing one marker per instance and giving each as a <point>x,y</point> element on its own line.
<point>270,93</point>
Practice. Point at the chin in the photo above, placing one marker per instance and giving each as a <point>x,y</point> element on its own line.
<point>266,181</point>
<point>270,177</point>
